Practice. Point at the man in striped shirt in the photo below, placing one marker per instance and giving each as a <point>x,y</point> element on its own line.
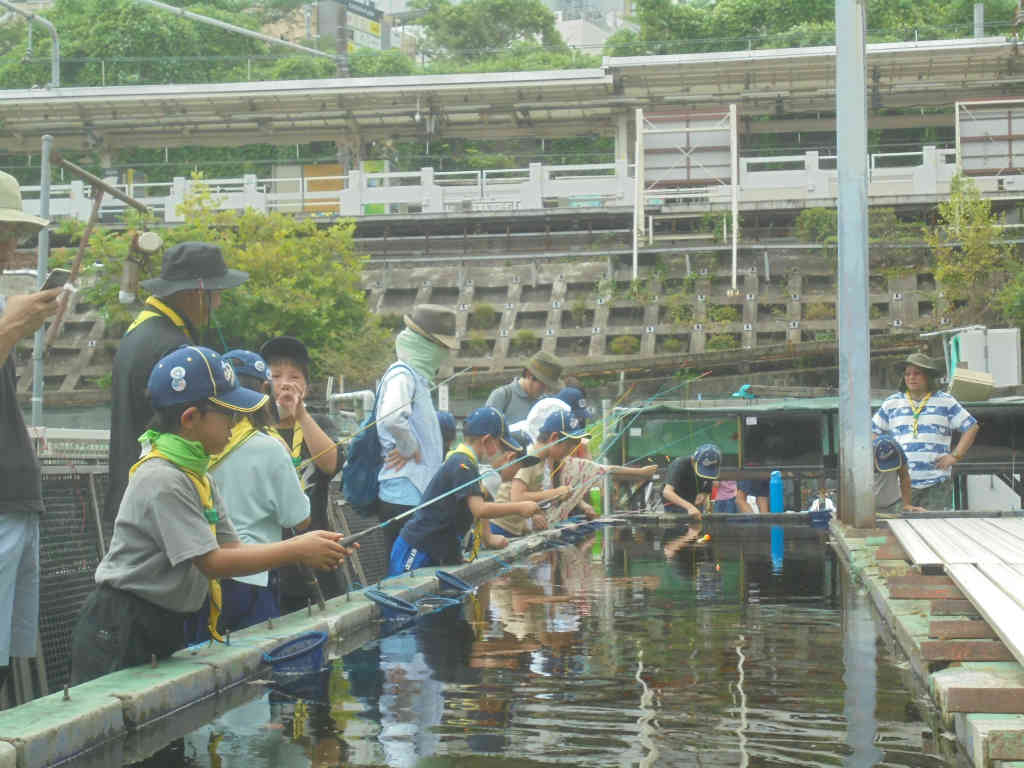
<point>923,420</point>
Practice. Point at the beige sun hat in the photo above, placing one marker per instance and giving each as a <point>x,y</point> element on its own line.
<point>11,209</point>
<point>434,322</point>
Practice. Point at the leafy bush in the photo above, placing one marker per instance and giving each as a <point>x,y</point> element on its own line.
<point>817,225</point>
<point>624,345</point>
<point>724,313</point>
<point>525,342</point>
<point>819,311</point>
<point>722,341</point>
<point>579,312</point>
<point>672,344</point>
<point>483,317</point>
<point>477,345</point>
<point>392,321</point>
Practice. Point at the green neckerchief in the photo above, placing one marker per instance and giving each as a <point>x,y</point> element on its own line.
<point>187,455</point>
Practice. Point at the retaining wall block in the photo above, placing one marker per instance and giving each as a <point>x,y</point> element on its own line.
<point>990,737</point>
<point>47,730</point>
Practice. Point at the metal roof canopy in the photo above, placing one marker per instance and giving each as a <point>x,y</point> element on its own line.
<point>495,105</point>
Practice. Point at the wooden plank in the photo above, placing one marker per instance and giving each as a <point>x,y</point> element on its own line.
<point>1011,528</point>
<point>994,539</point>
<point>962,607</point>
<point>914,546</point>
<point>925,592</point>
<point>980,687</point>
<point>1007,579</point>
<point>964,650</point>
<point>891,551</point>
<point>950,544</point>
<point>960,629</point>
<point>1003,614</point>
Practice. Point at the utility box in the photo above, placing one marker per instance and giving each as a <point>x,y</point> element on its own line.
<point>995,351</point>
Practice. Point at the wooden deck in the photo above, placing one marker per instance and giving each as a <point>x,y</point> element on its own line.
<point>984,558</point>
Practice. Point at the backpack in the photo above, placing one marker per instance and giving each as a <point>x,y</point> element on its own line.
<point>359,483</point>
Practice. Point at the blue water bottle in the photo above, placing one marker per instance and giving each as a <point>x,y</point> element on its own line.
<point>775,492</point>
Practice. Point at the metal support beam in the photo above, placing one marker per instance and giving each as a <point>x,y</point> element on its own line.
<point>857,504</point>
<point>54,51</point>
<point>42,266</point>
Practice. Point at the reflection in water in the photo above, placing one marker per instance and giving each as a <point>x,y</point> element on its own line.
<point>648,649</point>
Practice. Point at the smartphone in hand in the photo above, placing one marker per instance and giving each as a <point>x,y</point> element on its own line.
<point>56,279</point>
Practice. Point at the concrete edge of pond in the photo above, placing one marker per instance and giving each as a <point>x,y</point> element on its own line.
<point>54,729</point>
<point>963,693</point>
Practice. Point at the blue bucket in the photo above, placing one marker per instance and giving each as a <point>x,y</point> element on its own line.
<point>302,656</point>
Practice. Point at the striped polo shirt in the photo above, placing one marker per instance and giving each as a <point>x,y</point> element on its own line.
<point>941,417</point>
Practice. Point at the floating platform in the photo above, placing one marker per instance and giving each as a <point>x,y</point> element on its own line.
<point>949,589</point>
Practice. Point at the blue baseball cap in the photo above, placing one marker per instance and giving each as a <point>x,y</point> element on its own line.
<point>573,397</point>
<point>888,454</point>
<point>447,424</point>
<point>526,459</point>
<point>248,363</point>
<point>562,423</point>
<point>489,421</point>
<point>708,458</point>
<point>193,374</point>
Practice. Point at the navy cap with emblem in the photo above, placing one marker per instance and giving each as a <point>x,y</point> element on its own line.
<point>888,454</point>
<point>247,363</point>
<point>193,374</point>
<point>562,423</point>
<point>489,421</point>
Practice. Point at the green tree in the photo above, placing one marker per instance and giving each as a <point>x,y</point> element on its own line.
<point>973,261</point>
<point>480,29</point>
<point>304,281</point>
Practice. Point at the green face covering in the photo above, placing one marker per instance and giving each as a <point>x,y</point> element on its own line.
<point>187,454</point>
<point>420,353</point>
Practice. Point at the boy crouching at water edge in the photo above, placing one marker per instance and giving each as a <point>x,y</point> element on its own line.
<point>257,480</point>
<point>571,477</point>
<point>892,478</point>
<point>172,536</point>
<point>433,536</point>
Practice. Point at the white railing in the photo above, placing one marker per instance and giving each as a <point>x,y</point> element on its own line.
<point>808,178</point>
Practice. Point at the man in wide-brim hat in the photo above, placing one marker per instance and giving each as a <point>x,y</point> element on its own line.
<point>407,426</point>
<point>181,301</point>
<point>542,373</point>
<point>923,419</point>
<point>21,494</point>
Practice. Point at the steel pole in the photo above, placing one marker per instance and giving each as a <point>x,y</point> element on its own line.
<point>42,266</point>
<point>54,50</point>
<point>856,496</point>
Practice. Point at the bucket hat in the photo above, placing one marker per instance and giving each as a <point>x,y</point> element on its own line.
<point>11,209</point>
<point>194,266</point>
<point>923,362</point>
<point>546,367</point>
<point>193,374</point>
<point>433,322</point>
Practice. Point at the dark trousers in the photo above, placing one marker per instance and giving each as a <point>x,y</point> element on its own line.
<point>243,605</point>
<point>117,629</point>
<point>385,511</point>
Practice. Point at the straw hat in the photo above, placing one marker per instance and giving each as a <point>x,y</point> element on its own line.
<point>434,322</point>
<point>11,208</point>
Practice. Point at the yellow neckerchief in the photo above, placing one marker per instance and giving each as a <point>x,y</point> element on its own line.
<point>917,407</point>
<point>296,449</point>
<point>241,432</point>
<point>478,526</point>
<point>159,310</point>
<point>205,490</point>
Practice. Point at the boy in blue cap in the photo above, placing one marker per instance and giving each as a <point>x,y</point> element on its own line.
<point>172,537</point>
<point>688,480</point>
<point>257,479</point>
<point>892,478</point>
<point>433,536</point>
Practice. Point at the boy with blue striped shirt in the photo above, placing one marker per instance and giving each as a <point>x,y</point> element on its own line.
<point>923,418</point>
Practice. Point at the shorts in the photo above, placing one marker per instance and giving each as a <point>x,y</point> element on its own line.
<point>498,530</point>
<point>405,558</point>
<point>756,487</point>
<point>726,506</point>
<point>19,585</point>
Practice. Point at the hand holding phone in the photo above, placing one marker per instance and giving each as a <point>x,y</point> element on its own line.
<point>56,279</point>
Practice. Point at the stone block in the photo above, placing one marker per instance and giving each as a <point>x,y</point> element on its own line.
<point>996,687</point>
<point>49,729</point>
<point>147,693</point>
<point>988,737</point>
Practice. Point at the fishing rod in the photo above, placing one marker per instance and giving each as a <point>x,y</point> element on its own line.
<point>383,524</point>
<point>346,440</point>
